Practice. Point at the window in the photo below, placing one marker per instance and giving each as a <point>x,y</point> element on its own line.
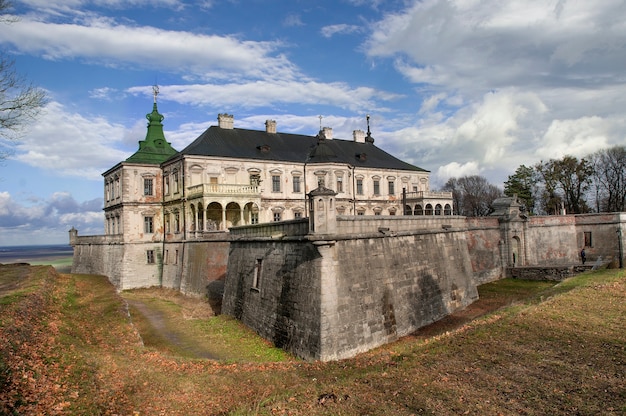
<point>175,177</point>
<point>256,279</point>
<point>116,189</point>
<point>392,188</point>
<point>176,257</point>
<point>167,223</point>
<point>297,214</point>
<point>296,184</point>
<point>148,225</point>
<point>277,216</point>
<point>588,242</point>
<point>177,222</point>
<point>147,186</point>
<point>339,184</point>
<point>166,183</point>
<point>359,186</point>
<point>376,187</point>
<point>165,256</point>
<point>275,183</point>
<point>150,256</point>
<point>254,218</point>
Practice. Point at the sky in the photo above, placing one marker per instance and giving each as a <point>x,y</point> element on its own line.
<point>468,87</point>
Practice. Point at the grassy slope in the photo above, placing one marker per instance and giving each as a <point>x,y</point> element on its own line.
<point>563,352</point>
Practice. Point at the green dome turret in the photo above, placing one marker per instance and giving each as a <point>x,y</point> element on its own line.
<point>154,149</point>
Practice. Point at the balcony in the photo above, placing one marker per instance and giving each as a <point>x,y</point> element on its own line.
<point>422,195</point>
<point>215,190</point>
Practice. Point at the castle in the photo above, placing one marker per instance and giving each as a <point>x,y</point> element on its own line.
<point>326,247</point>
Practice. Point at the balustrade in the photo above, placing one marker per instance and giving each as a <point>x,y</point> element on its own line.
<point>213,189</point>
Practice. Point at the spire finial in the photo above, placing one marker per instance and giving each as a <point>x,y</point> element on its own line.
<point>155,92</point>
<point>320,117</point>
<point>368,137</point>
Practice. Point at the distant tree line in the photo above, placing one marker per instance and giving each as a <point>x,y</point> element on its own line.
<point>596,183</point>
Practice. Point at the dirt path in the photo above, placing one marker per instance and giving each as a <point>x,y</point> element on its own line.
<point>162,324</point>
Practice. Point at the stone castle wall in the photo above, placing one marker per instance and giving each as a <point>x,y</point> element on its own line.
<point>195,268</point>
<point>332,298</point>
<point>332,295</point>
<point>386,287</point>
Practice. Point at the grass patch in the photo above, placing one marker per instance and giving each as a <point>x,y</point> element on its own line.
<point>530,348</point>
<point>184,326</point>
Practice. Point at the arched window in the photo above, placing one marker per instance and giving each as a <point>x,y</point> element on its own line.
<point>447,210</point>
<point>438,209</point>
<point>429,210</point>
<point>418,210</point>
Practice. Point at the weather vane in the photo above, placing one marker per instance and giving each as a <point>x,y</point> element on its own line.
<point>320,117</point>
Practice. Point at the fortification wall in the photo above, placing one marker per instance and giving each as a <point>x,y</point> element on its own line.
<point>607,233</point>
<point>204,268</point>
<point>387,287</point>
<point>352,225</point>
<point>98,255</point>
<point>552,240</point>
<point>331,299</point>
<point>484,244</point>
<point>136,271</point>
<point>274,288</point>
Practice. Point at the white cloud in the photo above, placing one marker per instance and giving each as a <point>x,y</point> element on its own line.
<point>74,7</point>
<point>69,144</point>
<point>509,83</point>
<point>270,92</point>
<point>578,138</point>
<point>293,20</point>
<point>106,43</point>
<point>456,170</point>
<point>47,221</point>
<point>341,29</point>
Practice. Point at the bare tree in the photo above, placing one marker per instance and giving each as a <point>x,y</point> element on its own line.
<point>473,195</point>
<point>609,176</point>
<point>20,101</point>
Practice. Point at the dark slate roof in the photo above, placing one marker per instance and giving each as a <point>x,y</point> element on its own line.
<point>286,147</point>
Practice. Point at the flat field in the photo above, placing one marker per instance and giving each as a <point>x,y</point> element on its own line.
<point>68,345</point>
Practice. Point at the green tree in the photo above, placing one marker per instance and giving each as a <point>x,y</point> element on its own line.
<point>20,101</point>
<point>523,183</point>
<point>565,184</point>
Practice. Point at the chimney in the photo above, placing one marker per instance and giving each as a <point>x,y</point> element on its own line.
<point>270,126</point>
<point>358,136</point>
<point>225,121</point>
<point>327,132</point>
